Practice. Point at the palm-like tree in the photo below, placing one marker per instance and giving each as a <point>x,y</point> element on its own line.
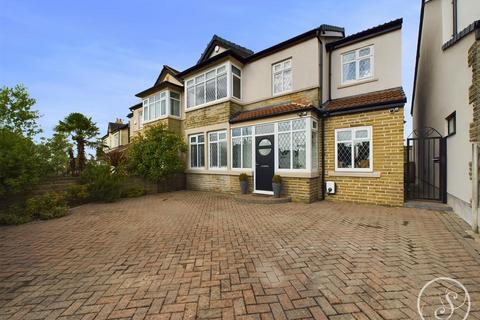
<point>82,130</point>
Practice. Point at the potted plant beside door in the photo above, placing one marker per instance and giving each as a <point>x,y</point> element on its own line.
<point>243,182</point>
<point>277,185</point>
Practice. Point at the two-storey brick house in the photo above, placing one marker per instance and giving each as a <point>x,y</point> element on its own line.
<point>117,136</point>
<point>315,108</point>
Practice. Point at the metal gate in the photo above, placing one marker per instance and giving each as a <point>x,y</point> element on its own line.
<point>426,166</point>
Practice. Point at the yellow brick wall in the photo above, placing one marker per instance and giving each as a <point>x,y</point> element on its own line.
<point>387,130</point>
<point>299,189</point>
<point>213,114</point>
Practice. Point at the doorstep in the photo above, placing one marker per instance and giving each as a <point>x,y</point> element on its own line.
<point>260,198</point>
<point>428,205</point>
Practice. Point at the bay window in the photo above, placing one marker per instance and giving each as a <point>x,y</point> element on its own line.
<point>353,149</point>
<point>292,144</point>
<point>206,87</point>
<point>197,150</point>
<point>217,149</point>
<point>282,77</point>
<point>242,148</point>
<point>161,105</point>
<point>357,64</point>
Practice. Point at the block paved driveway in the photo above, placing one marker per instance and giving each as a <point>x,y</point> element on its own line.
<point>197,255</point>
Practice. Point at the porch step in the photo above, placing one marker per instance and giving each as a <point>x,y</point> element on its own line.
<point>428,205</point>
<point>260,199</point>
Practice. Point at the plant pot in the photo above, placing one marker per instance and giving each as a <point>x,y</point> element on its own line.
<point>277,188</point>
<point>244,187</point>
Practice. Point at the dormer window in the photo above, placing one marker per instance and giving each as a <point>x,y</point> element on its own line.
<point>161,105</point>
<point>357,65</point>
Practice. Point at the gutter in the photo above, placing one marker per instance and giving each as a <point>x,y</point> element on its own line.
<point>320,102</point>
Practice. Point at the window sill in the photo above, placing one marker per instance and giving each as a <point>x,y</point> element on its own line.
<point>356,83</point>
<point>208,104</point>
<point>375,174</point>
<point>297,174</point>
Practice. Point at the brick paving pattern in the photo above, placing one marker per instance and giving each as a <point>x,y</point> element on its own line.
<point>197,255</point>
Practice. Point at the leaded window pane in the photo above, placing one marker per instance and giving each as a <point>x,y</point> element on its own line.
<point>364,68</point>
<point>362,154</point>
<point>361,134</point>
<point>264,129</point>
<point>247,131</point>
<point>364,52</point>
<point>223,153</point>
<point>200,78</point>
<point>213,155</point>
<point>287,64</point>
<point>213,136</point>
<point>236,152</point>
<point>236,132</point>
<point>199,94</point>
<point>298,124</point>
<point>236,86</point>
<point>222,135</point>
<point>314,150</point>
<point>284,150</point>
<point>349,71</point>
<point>277,82</point>
<point>236,71</point>
<point>247,152</point>
<point>210,88</point>
<point>221,70</point>
<point>287,80</point>
<point>201,154</point>
<point>221,86</point>
<point>190,97</point>
<point>299,148</point>
<point>284,126</point>
<point>163,105</point>
<point>210,75</point>
<point>344,135</point>
<point>348,57</point>
<point>277,67</point>
<point>193,156</point>
<point>344,155</point>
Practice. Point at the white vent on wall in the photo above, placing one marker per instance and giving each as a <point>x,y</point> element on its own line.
<point>330,187</point>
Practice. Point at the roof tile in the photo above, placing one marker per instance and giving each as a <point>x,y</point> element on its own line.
<point>269,111</point>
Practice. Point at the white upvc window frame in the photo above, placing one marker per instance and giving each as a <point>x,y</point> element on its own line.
<point>196,143</point>
<point>148,104</point>
<point>218,155</point>
<point>357,60</point>
<point>314,130</point>
<point>282,69</point>
<point>352,141</point>
<point>232,65</point>
<point>189,84</point>
<point>169,105</point>
<point>241,137</point>
<point>116,139</point>
<point>308,146</point>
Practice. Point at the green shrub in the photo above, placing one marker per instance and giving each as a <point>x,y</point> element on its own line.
<point>102,184</point>
<point>14,214</point>
<point>243,177</point>
<point>47,206</point>
<point>277,179</point>
<point>134,192</point>
<point>77,194</point>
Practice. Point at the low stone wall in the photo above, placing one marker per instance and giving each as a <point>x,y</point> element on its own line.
<point>174,183</point>
<point>57,184</point>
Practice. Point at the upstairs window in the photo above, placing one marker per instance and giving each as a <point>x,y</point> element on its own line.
<point>116,140</point>
<point>161,105</point>
<point>282,77</point>
<point>353,149</point>
<point>206,87</point>
<point>236,83</point>
<point>357,65</point>
<point>451,123</point>
<point>174,104</point>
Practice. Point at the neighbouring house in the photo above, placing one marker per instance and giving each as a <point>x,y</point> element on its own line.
<point>446,100</point>
<point>117,136</point>
<point>319,109</point>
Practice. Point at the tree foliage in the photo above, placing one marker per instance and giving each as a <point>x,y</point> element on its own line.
<point>158,154</point>
<point>16,112</point>
<point>55,153</point>
<point>21,163</point>
<point>82,131</point>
